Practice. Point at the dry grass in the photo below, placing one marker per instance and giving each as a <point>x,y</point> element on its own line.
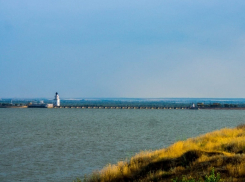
<point>223,149</point>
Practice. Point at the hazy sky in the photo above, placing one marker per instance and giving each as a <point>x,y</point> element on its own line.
<point>123,48</point>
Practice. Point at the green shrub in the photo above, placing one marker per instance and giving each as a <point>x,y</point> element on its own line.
<point>210,178</point>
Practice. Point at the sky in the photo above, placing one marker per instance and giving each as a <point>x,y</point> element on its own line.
<point>122,49</point>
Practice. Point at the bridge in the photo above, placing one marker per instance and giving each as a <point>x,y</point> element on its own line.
<point>117,107</point>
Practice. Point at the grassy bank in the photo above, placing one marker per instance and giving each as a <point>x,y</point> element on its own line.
<point>189,160</point>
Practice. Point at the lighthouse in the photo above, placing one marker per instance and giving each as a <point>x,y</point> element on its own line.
<point>56,99</point>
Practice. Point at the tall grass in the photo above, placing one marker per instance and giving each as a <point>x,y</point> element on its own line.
<point>223,149</point>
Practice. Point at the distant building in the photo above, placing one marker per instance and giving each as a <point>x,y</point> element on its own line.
<point>56,99</point>
<point>200,104</point>
<point>49,105</point>
<point>193,106</point>
<point>40,105</point>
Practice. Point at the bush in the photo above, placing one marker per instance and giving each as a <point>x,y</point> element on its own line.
<point>210,178</point>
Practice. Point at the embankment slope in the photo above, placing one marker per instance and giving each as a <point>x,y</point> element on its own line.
<point>223,150</point>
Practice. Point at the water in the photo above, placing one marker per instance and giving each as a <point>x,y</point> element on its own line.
<point>62,144</point>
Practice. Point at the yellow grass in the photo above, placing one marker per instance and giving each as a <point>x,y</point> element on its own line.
<point>223,149</point>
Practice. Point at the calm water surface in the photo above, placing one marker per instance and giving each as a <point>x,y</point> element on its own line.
<point>62,144</point>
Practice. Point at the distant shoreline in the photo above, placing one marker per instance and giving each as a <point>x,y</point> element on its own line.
<point>191,103</point>
<point>14,107</point>
<point>131,107</point>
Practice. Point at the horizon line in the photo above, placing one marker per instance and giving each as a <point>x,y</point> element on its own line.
<point>102,98</point>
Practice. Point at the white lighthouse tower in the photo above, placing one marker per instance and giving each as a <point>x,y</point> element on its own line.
<point>56,99</point>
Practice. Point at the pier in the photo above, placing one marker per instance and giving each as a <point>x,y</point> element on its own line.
<point>131,106</point>
<point>138,107</point>
<point>116,107</point>
<point>192,104</point>
<point>126,107</point>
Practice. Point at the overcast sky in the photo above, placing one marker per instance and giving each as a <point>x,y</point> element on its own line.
<point>123,48</point>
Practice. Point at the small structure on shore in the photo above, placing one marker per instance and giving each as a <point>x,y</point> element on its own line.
<point>40,105</point>
<point>56,100</point>
<point>194,107</point>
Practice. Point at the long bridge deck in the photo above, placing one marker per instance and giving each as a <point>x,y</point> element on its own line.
<point>145,107</point>
<point>118,107</point>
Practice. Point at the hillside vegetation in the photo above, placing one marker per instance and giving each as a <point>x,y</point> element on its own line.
<point>222,151</point>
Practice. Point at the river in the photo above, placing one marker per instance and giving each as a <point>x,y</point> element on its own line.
<point>63,144</point>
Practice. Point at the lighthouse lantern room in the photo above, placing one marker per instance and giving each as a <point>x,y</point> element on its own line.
<point>56,99</point>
